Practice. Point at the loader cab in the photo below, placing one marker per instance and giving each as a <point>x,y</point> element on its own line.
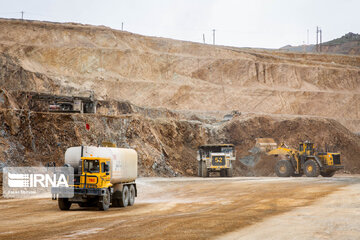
<point>95,172</point>
<point>306,148</point>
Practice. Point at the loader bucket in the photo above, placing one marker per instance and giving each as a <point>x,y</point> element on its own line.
<point>265,144</point>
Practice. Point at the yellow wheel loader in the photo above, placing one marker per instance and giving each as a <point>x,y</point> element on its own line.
<point>305,161</point>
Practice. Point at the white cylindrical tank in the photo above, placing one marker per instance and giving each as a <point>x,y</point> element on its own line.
<point>123,166</point>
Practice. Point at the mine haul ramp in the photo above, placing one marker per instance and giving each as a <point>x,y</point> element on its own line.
<point>216,158</point>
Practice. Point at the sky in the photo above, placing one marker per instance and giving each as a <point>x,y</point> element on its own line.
<point>240,23</point>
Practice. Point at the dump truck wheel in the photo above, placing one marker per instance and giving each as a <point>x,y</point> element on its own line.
<point>204,170</point>
<point>229,172</point>
<point>200,169</point>
<point>223,173</point>
<point>131,195</point>
<point>283,168</point>
<point>64,203</point>
<point>328,174</point>
<point>105,203</point>
<point>311,168</point>
<point>124,200</point>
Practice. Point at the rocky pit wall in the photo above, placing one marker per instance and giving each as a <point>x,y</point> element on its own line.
<point>166,147</point>
<point>289,97</point>
<point>157,72</point>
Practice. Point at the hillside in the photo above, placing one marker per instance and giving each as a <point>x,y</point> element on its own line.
<point>165,97</point>
<point>156,72</point>
<point>349,44</point>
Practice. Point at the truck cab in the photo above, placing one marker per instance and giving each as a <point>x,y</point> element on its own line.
<point>215,158</point>
<point>95,172</point>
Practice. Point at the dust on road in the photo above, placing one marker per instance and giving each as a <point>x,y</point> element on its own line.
<point>185,208</point>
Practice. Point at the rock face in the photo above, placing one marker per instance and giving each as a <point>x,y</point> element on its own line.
<point>166,147</point>
<point>165,97</point>
<point>157,72</point>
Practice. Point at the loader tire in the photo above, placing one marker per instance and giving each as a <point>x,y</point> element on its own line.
<point>311,168</point>
<point>124,200</point>
<point>283,168</point>
<point>328,174</point>
<point>104,204</point>
<point>64,204</point>
<point>131,195</point>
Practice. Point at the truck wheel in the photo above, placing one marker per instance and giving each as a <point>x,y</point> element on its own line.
<point>283,168</point>
<point>204,170</point>
<point>131,195</point>
<point>116,199</point>
<point>124,197</point>
<point>311,168</point>
<point>229,172</point>
<point>328,174</point>
<point>222,172</point>
<point>105,203</point>
<point>64,203</point>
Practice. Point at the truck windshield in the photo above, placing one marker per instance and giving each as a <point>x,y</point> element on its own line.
<point>227,150</point>
<point>91,166</point>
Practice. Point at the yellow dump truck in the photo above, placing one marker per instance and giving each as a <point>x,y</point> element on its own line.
<point>103,176</point>
<point>216,158</point>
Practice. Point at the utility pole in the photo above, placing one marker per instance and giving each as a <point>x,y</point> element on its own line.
<point>318,35</point>
<point>317,39</point>
<point>22,15</point>
<point>214,36</point>
<point>204,38</point>
<point>308,37</point>
<point>320,39</point>
<point>122,26</point>
<point>304,46</point>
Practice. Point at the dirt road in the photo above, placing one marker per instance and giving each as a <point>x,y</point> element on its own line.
<point>195,208</point>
